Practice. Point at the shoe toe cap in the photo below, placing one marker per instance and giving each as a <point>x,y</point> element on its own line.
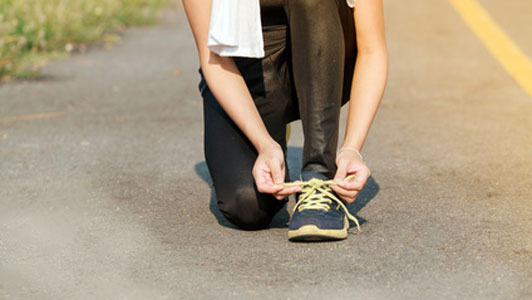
<point>321,219</point>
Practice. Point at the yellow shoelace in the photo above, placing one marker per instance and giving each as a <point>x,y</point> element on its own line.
<point>316,194</point>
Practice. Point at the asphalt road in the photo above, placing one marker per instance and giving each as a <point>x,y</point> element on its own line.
<point>104,192</point>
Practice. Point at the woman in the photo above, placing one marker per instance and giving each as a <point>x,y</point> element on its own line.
<point>308,72</point>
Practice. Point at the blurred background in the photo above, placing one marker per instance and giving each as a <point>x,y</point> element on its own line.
<point>105,193</point>
<point>33,31</point>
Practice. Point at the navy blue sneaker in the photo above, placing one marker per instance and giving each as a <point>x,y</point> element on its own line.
<point>319,215</point>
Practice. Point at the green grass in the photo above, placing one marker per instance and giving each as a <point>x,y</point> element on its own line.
<point>34,31</point>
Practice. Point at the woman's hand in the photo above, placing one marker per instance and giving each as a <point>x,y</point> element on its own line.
<point>348,163</point>
<point>269,172</point>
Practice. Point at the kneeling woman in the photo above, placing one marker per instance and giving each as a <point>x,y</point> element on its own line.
<point>308,72</point>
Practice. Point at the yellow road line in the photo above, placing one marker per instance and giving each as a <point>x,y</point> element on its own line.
<point>498,43</point>
<point>45,115</point>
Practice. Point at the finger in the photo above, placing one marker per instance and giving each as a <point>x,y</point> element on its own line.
<point>269,188</point>
<point>362,177</point>
<point>347,196</point>
<point>343,192</point>
<point>260,180</point>
<point>347,186</point>
<point>261,172</point>
<point>264,182</point>
<point>351,198</point>
<point>341,172</point>
<point>351,184</point>
<point>287,191</point>
<point>348,199</point>
<point>277,172</point>
<point>291,189</point>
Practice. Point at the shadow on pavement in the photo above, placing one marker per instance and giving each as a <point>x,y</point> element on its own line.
<point>283,217</point>
<point>364,197</point>
<point>203,172</point>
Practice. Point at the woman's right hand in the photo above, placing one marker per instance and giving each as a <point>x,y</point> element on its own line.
<point>269,172</point>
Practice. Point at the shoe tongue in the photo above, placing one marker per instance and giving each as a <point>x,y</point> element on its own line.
<point>308,175</point>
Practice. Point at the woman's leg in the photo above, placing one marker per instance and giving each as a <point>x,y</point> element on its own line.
<point>229,154</point>
<point>322,38</point>
<point>230,157</point>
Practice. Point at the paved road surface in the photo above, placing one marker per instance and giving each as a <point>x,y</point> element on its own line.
<point>108,197</point>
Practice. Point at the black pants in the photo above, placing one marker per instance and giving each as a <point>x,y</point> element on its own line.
<point>306,74</point>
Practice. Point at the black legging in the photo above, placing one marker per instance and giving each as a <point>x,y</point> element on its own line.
<point>306,74</point>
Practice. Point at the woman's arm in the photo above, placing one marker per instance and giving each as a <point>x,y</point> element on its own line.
<point>369,80</point>
<point>230,90</point>
<point>224,79</point>
<point>371,71</point>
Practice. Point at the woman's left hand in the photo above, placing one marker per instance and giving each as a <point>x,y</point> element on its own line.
<point>349,163</point>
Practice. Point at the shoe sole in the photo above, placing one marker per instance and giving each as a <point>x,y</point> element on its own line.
<point>311,233</point>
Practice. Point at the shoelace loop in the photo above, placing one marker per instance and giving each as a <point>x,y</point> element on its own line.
<point>311,199</point>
